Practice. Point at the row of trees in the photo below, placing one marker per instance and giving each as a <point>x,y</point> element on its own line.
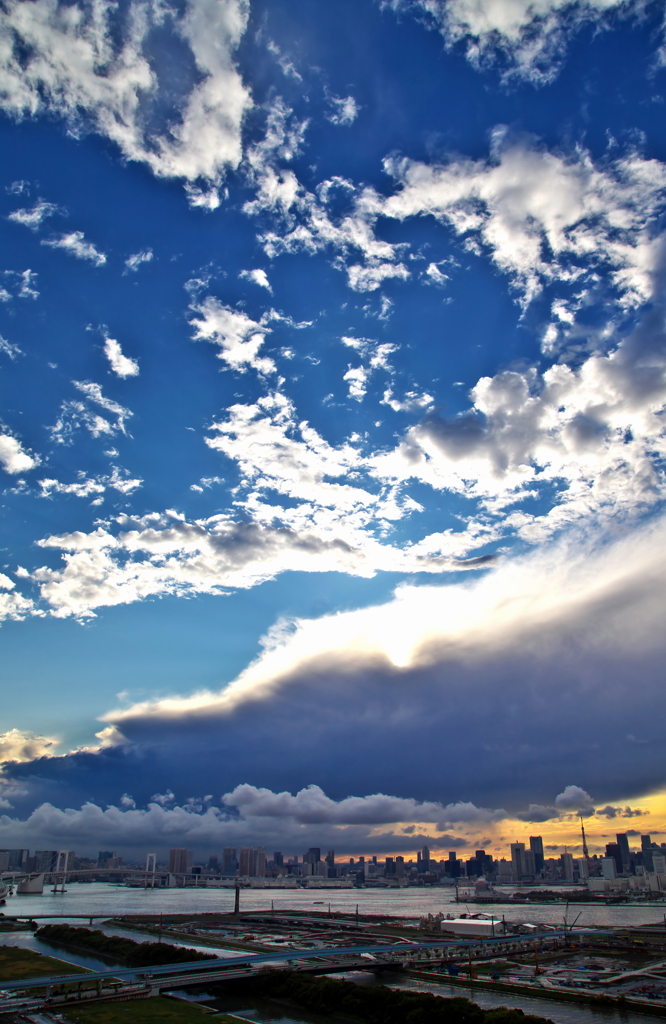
<point>134,954</point>
<point>378,1004</point>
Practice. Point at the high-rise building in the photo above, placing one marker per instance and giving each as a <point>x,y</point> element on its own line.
<point>518,860</point>
<point>625,852</point>
<point>646,850</point>
<point>567,862</point>
<point>252,862</point>
<point>16,859</point>
<point>103,858</point>
<point>536,846</point>
<point>229,862</point>
<point>453,867</point>
<point>613,850</point>
<point>389,869</point>
<point>213,865</point>
<point>45,860</point>
<point>400,867</point>
<point>659,863</point>
<point>608,867</point>
<point>278,859</point>
<point>180,862</point>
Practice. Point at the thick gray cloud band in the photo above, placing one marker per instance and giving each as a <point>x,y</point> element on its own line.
<point>502,692</point>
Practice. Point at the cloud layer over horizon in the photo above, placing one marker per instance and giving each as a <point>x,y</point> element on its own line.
<point>520,676</point>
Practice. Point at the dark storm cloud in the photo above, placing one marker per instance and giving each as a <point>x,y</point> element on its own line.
<point>501,692</point>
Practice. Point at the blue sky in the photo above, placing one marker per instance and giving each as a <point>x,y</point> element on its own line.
<point>333,379</point>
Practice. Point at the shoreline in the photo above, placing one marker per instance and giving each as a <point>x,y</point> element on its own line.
<point>601,1002</point>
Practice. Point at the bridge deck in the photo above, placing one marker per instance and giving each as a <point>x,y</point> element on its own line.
<point>192,973</point>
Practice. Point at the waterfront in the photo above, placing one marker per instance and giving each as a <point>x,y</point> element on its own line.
<point>103,899</point>
<point>263,1012</point>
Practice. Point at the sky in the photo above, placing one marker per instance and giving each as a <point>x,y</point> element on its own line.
<point>333,378</point>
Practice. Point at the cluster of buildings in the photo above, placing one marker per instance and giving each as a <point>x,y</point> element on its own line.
<point>620,867</point>
<point>527,864</point>
<point>646,866</point>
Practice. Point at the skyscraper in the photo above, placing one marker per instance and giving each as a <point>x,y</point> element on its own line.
<point>247,861</point>
<point>625,853</point>
<point>613,850</point>
<point>536,846</point>
<point>180,862</point>
<point>229,862</point>
<point>567,867</point>
<point>518,860</point>
<point>646,850</point>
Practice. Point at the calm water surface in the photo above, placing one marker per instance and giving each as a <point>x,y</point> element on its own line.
<point>102,899</point>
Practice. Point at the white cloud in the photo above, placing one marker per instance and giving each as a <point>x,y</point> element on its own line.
<point>311,806</point>
<point>258,277</point>
<point>530,36</point>
<point>411,402</point>
<point>543,216</point>
<point>76,414</point>
<point>376,355</point>
<point>134,262</point>
<point>611,594</point>
<point>358,382</point>
<point>121,365</point>
<point>237,335</point>
<point>435,275</point>
<point>327,523</point>
<point>22,282</point>
<point>67,60</point>
<point>14,457</point>
<point>32,218</point>
<point>368,277</point>
<point>10,349</point>
<point>287,66</point>
<point>303,221</point>
<point>16,745</point>
<point>193,823</point>
<point>444,668</point>
<point>595,433</point>
<point>344,110</point>
<point>86,487</point>
<point>16,607</point>
<point>75,244</point>
<point>573,798</point>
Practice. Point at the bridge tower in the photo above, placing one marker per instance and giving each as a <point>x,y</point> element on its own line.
<point>151,868</point>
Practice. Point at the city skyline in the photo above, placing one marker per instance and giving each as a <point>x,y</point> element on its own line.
<point>332,449</point>
<point>529,862</point>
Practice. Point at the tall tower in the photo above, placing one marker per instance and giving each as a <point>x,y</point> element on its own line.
<point>586,852</point>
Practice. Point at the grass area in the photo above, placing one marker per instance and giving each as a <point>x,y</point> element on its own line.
<point>158,1010</point>
<point>17,964</point>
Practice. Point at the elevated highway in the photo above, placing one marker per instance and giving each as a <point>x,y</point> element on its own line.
<point>133,982</point>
